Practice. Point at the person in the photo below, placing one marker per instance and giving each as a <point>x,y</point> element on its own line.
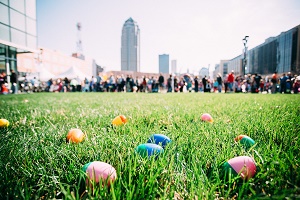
<point>230,80</point>
<point>161,81</point>
<point>220,82</point>
<point>204,81</point>
<point>274,81</point>
<point>54,87</point>
<point>73,84</point>
<point>14,80</point>
<point>66,84</point>
<point>288,86</point>
<point>257,79</point>
<point>181,84</point>
<point>283,80</point>
<point>296,85</point>
<point>196,84</point>
<point>169,83</point>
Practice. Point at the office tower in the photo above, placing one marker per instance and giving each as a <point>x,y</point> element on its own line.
<point>130,47</point>
<point>164,63</point>
<point>174,66</point>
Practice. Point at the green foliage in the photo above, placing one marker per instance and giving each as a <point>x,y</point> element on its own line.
<point>36,162</point>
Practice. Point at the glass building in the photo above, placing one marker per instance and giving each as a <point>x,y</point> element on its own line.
<point>164,63</point>
<point>130,47</point>
<point>18,33</point>
<point>280,54</point>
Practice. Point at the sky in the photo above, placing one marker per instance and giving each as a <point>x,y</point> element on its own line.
<point>195,33</point>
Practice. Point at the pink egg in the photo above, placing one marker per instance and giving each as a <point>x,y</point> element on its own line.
<point>97,171</point>
<point>243,165</point>
<point>206,117</point>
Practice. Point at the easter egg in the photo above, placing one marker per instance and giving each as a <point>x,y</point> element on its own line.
<point>242,165</point>
<point>206,117</point>
<point>75,135</point>
<point>119,120</point>
<point>245,140</point>
<point>149,149</point>
<point>159,139</point>
<point>99,172</point>
<point>4,123</point>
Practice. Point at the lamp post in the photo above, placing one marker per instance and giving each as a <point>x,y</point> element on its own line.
<point>245,40</point>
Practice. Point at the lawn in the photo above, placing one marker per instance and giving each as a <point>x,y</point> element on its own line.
<point>37,163</point>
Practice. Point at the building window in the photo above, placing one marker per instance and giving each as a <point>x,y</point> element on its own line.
<point>4,14</point>
<point>4,33</point>
<point>30,26</point>
<point>18,37</point>
<point>31,9</point>
<point>31,41</point>
<point>17,20</point>
<point>4,1</point>
<point>17,5</point>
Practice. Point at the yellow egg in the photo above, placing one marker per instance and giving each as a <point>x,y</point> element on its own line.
<point>4,123</point>
<point>119,120</point>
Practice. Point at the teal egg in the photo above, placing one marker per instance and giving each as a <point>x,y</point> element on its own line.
<point>149,149</point>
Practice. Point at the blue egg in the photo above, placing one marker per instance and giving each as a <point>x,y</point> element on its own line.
<point>148,150</point>
<point>159,139</point>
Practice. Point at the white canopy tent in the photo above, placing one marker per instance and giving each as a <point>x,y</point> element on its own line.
<point>42,75</point>
<point>73,72</point>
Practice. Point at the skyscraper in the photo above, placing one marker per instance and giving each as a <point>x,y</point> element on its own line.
<point>174,66</point>
<point>164,63</point>
<point>130,47</point>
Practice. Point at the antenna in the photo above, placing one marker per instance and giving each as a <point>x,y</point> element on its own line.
<point>79,51</point>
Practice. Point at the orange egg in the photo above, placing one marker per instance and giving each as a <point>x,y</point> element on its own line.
<point>75,135</point>
<point>4,123</point>
<point>119,120</point>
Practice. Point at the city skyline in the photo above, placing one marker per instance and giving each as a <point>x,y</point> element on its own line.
<point>195,33</point>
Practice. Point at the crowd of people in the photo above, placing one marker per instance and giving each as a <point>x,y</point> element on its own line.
<point>250,83</point>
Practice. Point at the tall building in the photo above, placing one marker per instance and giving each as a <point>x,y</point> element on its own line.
<point>174,66</point>
<point>18,32</point>
<point>130,47</point>
<point>280,53</point>
<point>164,63</point>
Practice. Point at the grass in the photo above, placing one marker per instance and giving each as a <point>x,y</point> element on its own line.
<point>37,163</point>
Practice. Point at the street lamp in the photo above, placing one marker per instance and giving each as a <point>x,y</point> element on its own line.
<point>245,40</point>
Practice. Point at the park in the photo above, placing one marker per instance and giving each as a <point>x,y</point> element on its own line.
<point>38,163</point>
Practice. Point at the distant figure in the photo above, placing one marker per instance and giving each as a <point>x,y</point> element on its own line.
<point>14,80</point>
<point>161,81</point>
<point>220,82</point>
<point>274,81</point>
<point>230,80</point>
<point>169,83</point>
<point>204,81</point>
<point>196,83</point>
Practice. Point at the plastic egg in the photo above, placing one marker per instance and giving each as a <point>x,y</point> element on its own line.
<point>242,165</point>
<point>4,123</point>
<point>159,139</point>
<point>75,135</point>
<point>119,120</point>
<point>206,117</point>
<point>149,149</point>
<point>99,172</point>
<point>245,140</point>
